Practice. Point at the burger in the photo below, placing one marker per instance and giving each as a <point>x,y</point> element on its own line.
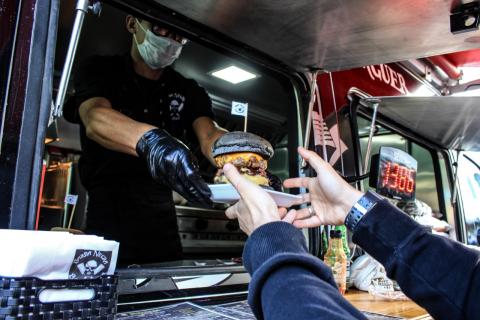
<point>248,152</point>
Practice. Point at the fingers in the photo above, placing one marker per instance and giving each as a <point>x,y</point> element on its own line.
<point>231,212</point>
<point>302,214</point>
<point>296,183</point>
<point>294,217</point>
<point>188,178</point>
<point>201,186</point>
<point>242,185</point>
<point>282,212</point>
<point>196,190</point>
<point>305,199</point>
<point>312,158</point>
<point>185,190</point>
<point>308,223</point>
<point>247,190</point>
<point>290,216</point>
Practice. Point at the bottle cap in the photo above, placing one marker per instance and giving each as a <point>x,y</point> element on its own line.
<point>335,234</point>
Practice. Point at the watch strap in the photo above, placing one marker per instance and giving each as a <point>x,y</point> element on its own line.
<point>360,208</point>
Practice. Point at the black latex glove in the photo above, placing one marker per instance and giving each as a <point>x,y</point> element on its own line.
<point>170,162</point>
<point>275,182</point>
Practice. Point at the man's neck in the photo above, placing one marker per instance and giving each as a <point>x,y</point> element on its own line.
<point>141,68</point>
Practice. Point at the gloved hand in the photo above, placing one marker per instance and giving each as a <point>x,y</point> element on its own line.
<point>275,181</point>
<point>170,162</point>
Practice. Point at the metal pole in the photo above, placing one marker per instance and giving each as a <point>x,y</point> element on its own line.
<point>245,121</point>
<point>82,9</point>
<point>313,86</point>
<point>324,124</point>
<point>375,103</point>
<point>455,180</point>
<point>337,122</point>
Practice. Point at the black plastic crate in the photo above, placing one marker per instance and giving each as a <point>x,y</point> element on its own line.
<point>19,299</point>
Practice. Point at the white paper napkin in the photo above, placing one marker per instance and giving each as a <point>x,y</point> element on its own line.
<point>55,255</point>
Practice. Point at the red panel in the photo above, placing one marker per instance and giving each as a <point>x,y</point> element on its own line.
<point>470,58</point>
<point>378,80</point>
<point>445,64</point>
<point>330,132</point>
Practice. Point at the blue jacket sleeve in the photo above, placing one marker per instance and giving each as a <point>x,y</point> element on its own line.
<point>441,275</point>
<point>289,283</point>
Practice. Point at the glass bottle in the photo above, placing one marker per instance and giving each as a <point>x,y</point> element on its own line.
<point>346,249</point>
<point>336,259</point>
<point>324,245</point>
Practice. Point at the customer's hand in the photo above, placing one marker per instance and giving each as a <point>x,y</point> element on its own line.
<point>255,207</point>
<point>330,196</point>
<point>170,162</point>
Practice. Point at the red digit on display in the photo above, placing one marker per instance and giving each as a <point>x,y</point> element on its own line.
<point>394,176</point>
<point>403,178</point>
<point>410,182</point>
<point>387,174</point>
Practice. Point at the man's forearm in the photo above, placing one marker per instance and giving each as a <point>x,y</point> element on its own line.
<point>289,283</point>
<point>207,132</point>
<point>110,128</point>
<point>207,146</point>
<point>439,274</point>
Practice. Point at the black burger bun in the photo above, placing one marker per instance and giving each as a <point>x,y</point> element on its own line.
<point>239,141</point>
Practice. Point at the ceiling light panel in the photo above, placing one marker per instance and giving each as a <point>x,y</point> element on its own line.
<point>234,74</point>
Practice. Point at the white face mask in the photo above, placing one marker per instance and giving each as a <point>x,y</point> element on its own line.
<point>157,52</point>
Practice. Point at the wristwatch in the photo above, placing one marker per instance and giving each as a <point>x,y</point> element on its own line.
<point>359,209</point>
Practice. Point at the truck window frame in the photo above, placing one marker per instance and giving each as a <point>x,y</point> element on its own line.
<point>28,108</point>
<point>438,155</point>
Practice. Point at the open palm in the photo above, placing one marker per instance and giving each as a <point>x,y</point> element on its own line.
<point>330,196</point>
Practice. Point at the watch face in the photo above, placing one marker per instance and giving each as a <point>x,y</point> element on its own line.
<point>397,171</point>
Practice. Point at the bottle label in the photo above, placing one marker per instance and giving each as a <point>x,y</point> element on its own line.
<point>340,275</point>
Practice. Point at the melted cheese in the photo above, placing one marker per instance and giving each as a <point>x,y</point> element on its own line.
<point>227,158</point>
<point>255,179</point>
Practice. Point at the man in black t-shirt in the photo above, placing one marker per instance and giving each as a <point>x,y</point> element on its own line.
<point>132,111</point>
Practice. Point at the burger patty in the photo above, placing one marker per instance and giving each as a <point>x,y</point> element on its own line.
<point>252,163</point>
<point>249,171</point>
<point>253,171</point>
<point>239,160</point>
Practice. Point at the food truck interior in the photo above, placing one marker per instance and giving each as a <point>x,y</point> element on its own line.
<point>209,240</point>
<point>288,56</point>
<point>205,233</point>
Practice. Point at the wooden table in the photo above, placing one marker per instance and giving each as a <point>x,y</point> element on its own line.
<point>405,309</point>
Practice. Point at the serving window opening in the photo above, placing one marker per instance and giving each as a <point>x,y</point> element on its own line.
<point>207,237</point>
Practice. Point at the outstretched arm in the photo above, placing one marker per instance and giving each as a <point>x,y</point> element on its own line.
<point>441,275</point>
<point>109,127</point>
<point>168,160</point>
<point>207,132</point>
<point>287,282</point>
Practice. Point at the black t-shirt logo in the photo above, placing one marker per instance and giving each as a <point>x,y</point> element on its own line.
<point>176,105</point>
<point>88,264</point>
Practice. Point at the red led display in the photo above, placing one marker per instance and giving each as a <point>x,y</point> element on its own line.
<point>397,178</point>
<point>394,173</point>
